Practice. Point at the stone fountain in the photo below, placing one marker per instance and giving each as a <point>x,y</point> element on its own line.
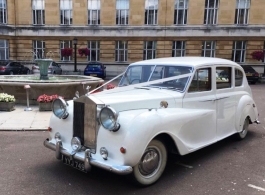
<point>63,85</point>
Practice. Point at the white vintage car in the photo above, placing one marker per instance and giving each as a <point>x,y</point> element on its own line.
<point>163,105</point>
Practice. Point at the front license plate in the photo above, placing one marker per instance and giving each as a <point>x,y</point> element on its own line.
<point>73,163</point>
<point>249,74</point>
<point>93,75</point>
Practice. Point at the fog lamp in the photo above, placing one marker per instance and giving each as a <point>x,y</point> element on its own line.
<point>76,144</point>
<point>59,108</point>
<point>57,136</point>
<point>104,153</point>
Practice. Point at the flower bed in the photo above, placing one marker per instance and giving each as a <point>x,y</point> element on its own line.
<point>7,102</point>
<point>45,102</point>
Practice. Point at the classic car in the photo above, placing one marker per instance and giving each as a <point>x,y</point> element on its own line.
<point>159,106</point>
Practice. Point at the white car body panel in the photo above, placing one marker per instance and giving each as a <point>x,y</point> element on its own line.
<point>193,120</point>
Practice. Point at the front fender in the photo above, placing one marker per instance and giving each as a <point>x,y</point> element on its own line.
<point>145,126</point>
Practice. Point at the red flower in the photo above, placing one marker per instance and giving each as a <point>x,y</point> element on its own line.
<point>83,51</point>
<point>257,55</point>
<point>110,86</point>
<point>66,52</point>
<point>47,98</point>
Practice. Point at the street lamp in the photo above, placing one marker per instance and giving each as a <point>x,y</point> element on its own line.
<point>75,42</point>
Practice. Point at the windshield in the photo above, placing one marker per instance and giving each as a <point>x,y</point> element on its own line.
<point>144,73</point>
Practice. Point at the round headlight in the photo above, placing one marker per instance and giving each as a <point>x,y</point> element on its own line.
<point>76,144</point>
<point>108,119</point>
<point>59,108</point>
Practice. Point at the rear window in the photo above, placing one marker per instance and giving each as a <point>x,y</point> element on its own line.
<point>248,68</point>
<point>3,63</point>
<point>94,65</point>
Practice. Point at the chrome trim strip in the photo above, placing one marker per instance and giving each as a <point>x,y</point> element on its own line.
<point>87,159</point>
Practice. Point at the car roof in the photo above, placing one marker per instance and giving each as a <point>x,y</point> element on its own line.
<point>186,61</point>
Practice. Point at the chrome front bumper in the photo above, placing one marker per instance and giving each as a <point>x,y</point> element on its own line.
<point>87,159</point>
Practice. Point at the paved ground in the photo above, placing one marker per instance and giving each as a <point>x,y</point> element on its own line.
<point>24,120</point>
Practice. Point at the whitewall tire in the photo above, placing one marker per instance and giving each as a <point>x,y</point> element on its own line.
<point>152,164</point>
<point>243,133</point>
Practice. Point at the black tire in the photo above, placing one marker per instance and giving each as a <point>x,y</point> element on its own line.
<point>243,133</point>
<point>253,82</point>
<point>11,73</point>
<point>147,172</point>
<point>28,72</point>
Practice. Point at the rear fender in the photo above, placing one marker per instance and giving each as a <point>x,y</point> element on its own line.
<point>245,108</point>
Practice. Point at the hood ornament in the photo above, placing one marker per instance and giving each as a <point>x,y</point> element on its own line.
<point>163,104</point>
<point>76,95</point>
<point>87,90</point>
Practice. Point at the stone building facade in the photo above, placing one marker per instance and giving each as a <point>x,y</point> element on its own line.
<point>118,32</point>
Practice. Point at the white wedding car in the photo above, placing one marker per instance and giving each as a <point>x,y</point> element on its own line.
<point>163,105</point>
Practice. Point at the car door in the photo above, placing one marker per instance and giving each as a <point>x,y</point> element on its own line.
<point>14,68</point>
<point>20,68</point>
<point>200,96</point>
<point>225,100</point>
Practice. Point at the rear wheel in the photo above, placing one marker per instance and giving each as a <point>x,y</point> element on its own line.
<point>242,134</point>
<point>152,164</point>
<point>11,73</point>
<point>28,71</point>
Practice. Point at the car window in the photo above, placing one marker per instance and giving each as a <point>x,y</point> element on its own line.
<point>238,77</point>
<point>223,77</point>
<point>3,63</point>
<point>248,69</point>
<point>54,64</point>
<point>94,65</point>
<point>201,81</point>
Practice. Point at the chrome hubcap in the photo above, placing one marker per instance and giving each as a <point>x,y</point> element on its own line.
<point>149,162</point>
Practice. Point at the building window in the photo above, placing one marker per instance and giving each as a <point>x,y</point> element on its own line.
<point>178,48</point>
<point>149,50</point>
<point>242,11</point>
<point>122,12</point>
<point>38,12</point>
<point>38,49</point>
<point>94,48</point>
<point>208,49</point>
<point>211,11</point>
<point>121,51</point>
<point>4,51</point>
<point>65,44</point>
<point>93,7</point>
<point>66,12</point>
<point>239,51</point>
<point>181,10</point>
<point>3,14</point>
<point>151,7</point>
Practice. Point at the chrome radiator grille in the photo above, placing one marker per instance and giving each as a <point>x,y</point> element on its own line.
<point>85,125</point>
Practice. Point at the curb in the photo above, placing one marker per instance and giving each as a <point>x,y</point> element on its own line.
<point>23,129</point>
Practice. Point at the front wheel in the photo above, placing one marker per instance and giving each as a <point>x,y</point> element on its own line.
<point>243,133</point>
<point>152,164</point>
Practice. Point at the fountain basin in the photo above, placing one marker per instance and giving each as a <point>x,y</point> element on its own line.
<point>63,85</point>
